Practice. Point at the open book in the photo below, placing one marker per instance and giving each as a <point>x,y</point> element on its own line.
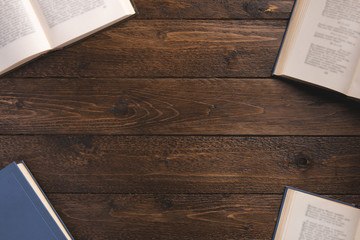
<point>29,28</point>
<point>322,45</point>
<point>306,216</point>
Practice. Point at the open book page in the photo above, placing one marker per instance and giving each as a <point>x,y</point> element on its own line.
<point>354,90</point>
<point>314,218</point>
<point>21,36</point>
<point>66,21</point>
<point>326,48</point>
<point>297,16</point>
<point>357,235</point>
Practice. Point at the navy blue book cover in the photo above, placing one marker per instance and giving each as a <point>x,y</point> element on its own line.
<point>23,215</point>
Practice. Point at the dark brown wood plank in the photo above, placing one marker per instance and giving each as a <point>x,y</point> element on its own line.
<point>168,48</point>
<point>188,164</point>
<point>173,106</point>
<point>202,217</point>
<point>210,9</point>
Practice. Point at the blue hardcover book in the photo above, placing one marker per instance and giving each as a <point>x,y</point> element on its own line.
<point>304,215</point>
<point>25,212</point>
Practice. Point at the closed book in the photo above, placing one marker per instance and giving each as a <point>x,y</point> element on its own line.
<point>25,211</point>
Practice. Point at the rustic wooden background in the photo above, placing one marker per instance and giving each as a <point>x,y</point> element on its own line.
<point>170,126</point>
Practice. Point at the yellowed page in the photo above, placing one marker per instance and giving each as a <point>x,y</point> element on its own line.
<point>66,21</point>
<point>21,36</point>
<point>326,48</point>
<point>315,218</point>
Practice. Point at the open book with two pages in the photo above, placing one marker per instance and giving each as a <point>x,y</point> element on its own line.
<point>307,216</point>
<point>29,28</point>
<point>322,45</point>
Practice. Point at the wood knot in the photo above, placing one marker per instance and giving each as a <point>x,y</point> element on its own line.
<point>19,104</point>
<point>85,140</point>
<point>303,160</point>
<point>166,204</point>
<point>248,227</point>
<point>121,108</point>
<point>253,8</point>
<point>161,35</point>
<point>232,59</point>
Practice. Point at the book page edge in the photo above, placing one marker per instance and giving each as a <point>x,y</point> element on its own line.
<point>42,198</point>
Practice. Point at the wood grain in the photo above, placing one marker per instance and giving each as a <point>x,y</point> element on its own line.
<point>168,48</point>
<point>173,106</point>
<point>167,216</point>
<point>168,126</point>
<point>188,164</point>
<point>210,9</point>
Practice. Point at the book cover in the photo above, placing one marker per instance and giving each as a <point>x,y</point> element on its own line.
<point>23,212</point>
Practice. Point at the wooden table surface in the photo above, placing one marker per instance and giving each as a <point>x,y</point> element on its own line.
<point>170,126</point>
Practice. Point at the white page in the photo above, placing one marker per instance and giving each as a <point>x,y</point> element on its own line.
<point>326,49</point>
<point>66,21</point>
<point>354,90</point>
<point>21,36</point>
<point>315,218</point>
